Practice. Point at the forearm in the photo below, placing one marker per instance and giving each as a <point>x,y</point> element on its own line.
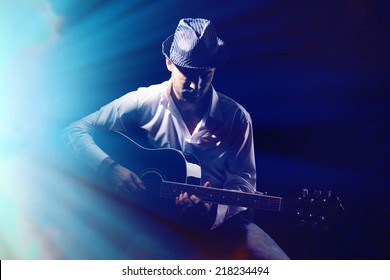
<point>79,135</point>
<point>78,138</point>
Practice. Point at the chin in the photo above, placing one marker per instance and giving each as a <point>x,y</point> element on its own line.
<point>190,97</point>
<point>191,100</point>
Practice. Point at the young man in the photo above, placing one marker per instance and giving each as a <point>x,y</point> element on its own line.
<point>186,113</point>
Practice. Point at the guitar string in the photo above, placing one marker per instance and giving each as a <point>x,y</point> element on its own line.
<point>200,189</point>
<point>233,197</point>
<point>227,195</point>
<point>265,203</point>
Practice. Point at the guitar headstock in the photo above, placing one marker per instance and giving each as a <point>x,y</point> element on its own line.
<point>318,209</point>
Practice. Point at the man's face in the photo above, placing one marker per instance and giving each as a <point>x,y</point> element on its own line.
<point>190,85</point>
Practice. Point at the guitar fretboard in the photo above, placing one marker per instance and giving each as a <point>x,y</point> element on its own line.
<point>220,196</point>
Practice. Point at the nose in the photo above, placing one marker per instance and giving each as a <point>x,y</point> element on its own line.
<point>195,82</point>
<point>194,86</point>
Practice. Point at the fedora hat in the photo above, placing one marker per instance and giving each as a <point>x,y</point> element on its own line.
<point>195,45</point>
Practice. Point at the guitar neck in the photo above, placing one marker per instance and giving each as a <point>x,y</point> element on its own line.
<point>220,196</point>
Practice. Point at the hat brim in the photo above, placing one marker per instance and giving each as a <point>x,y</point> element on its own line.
<point>218,60</point>
<point>166,46</point>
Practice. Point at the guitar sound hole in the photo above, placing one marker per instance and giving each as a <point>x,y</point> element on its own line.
<point>151,176</point>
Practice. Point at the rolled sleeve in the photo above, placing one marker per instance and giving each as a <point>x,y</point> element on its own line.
<point>78,136</point>
<point>240,168</point>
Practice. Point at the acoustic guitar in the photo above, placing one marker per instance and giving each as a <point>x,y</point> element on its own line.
<point>168,172</point>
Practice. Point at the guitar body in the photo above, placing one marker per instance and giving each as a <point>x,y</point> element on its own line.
<point>165,164</point>
<point>153,166</point>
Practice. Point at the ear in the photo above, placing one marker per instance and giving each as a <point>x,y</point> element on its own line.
<point>169,65</point>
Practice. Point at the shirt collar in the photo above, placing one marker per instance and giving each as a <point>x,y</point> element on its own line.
<point>215,108</point>
<point>165,96</point>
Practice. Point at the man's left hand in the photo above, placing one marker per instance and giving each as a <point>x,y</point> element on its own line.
<point>193,203</point>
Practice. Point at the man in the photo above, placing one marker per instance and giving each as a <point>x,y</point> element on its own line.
<point>186,113</point>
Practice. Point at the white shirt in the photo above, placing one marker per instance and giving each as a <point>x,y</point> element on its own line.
<point>222,141</point>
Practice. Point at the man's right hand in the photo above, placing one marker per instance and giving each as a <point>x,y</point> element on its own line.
<point>125,180</point>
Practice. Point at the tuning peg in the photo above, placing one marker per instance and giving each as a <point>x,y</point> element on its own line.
<point>329,193</point>
<point>305,192</point>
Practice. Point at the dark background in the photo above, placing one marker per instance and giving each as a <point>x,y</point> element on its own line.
<point>314,75</point>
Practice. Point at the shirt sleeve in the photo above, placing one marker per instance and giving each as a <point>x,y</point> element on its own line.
<point>240,168</point>
<point>78,136</point>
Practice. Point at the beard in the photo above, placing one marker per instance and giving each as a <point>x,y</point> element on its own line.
<point>191,96</point>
